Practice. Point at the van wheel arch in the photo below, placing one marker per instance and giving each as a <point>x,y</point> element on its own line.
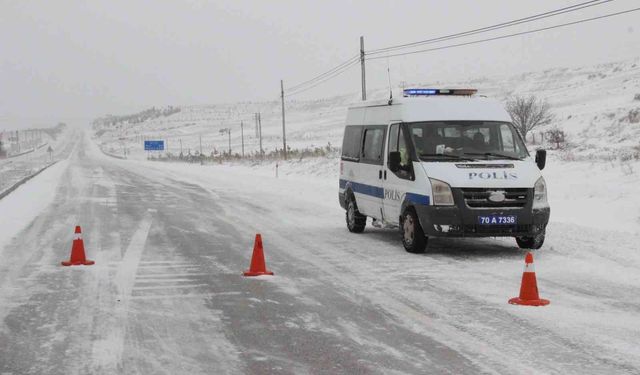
<point>348,195</point>
<point>407,204</point>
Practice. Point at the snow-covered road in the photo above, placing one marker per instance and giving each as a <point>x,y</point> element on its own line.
<point>167,295</point>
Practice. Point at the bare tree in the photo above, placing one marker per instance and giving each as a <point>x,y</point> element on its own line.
<point>556,135</point>
<point>529,112</point>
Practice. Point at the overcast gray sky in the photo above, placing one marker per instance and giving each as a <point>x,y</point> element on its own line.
<point>81,59</point>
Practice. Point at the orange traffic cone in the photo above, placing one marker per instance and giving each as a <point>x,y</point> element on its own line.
<point>77,251</point>
<point>258,266</point>
<point>529,287</point>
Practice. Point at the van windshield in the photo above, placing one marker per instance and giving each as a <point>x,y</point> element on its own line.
<point>451,140</point>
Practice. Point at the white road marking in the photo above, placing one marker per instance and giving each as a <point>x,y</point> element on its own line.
<point>168,287</point>
<point>107,352</point>
<point>162,280</point>
<point>168,275</point>
<point>165,297</point>
<point>182,266</point>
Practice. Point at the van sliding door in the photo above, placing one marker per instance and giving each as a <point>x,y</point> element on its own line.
<point>368,186</point>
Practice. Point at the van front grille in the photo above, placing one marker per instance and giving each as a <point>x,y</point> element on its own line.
<point>479,197</point>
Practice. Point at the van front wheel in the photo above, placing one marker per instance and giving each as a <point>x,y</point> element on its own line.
<point>355,220</point>
<point>533,243</point>
<point>413,237</point>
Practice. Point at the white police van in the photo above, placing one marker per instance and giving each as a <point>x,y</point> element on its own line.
<point>441,163</point>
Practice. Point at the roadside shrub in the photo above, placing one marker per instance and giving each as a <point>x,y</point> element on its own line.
<point>633,116</point>
<point>636,152</point>
<point>557,136</point>
<point>327,151</point>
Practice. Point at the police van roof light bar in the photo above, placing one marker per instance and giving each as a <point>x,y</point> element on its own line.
<point>431,92</point>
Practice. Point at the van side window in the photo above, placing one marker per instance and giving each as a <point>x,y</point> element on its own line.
<point>351,143</point>
<point>397,142</point>
<point>393,138</point>
<point>372,148</point>
<point>405,158</point>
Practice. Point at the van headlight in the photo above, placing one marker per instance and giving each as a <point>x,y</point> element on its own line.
<point>442,195</point>
<point>540,194</point>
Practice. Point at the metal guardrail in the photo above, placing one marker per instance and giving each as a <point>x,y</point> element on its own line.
<point>27,152</point>
<point>9,190</point>
<point>112,155</point>
<point>20,154</point>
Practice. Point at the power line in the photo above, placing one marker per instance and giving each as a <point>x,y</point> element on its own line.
<point>508,35</point>
<point>502,25</point>
<point>335,74</point>
<point>347,64</point>
<point>320,76</point>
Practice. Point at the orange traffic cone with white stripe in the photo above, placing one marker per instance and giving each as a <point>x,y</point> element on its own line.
<point>529,286</point>
<point>258,266</point>
<point>77,251</point>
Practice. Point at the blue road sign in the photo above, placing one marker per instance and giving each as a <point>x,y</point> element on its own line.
<point>154,145</point>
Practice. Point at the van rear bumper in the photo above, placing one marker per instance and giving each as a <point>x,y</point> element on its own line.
<point>438,221</point>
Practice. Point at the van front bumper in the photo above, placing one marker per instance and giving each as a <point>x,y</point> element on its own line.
<point>454,221</point>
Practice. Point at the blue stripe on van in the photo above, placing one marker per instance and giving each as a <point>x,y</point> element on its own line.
<point>374,191</point>
<point>378,192</point>
<point>418,198</point>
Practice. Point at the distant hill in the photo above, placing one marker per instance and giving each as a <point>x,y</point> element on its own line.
<point>598,107</point>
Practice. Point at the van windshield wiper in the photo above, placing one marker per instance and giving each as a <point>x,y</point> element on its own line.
<point>450,156</point>
<point>495,154</point>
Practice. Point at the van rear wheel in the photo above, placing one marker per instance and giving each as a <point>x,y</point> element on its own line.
<point>413,238</point>
<point>355,220</point>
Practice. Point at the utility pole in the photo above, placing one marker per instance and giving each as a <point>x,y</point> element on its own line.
<point>201,160</point>
<point>180,146</point>
<point>255,117</point>
<point>284,136</point>
<point>364,85</point>
<point>242,135</point>
<point>260,132</point>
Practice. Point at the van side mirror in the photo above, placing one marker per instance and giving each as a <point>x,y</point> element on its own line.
<point>541,158</point>
<point>394,161</point>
